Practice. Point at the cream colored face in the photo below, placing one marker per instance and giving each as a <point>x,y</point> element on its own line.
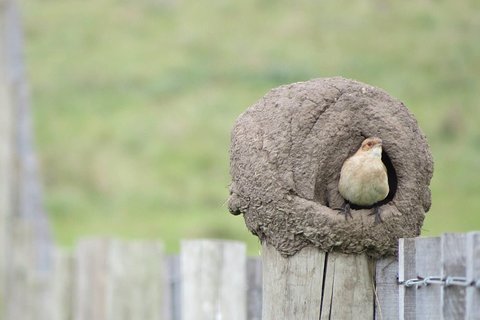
<point>371,143</point>
<point>373,146</point>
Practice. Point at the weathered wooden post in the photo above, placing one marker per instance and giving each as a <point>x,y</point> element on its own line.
<point>117,280</point>
<point>213,280</point>
<point>6,155</point>
<point>286,155</point>
<point>25,242</point>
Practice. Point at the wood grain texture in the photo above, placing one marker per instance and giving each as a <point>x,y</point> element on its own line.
<point>348,289</point>
<point>61,286</point>
<point>117,280</point>
<point>386,289</point>
<point>90,282</point>
<point>254,288</point>
<point>292,287</point>
<point>473,273</point>
<point>213,280</point>
<point>406,270</point>
<point>454,264</point>
<point>428,298</point>
<point>136,280</point>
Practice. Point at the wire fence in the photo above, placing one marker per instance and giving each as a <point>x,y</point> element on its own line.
<point>447,281</point>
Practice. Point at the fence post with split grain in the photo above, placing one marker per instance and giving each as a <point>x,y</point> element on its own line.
<point>317,285</point>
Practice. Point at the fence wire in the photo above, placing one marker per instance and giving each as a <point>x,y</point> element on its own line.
<point>439,280</point>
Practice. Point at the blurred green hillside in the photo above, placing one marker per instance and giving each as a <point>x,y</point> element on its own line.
<point>134,100</point>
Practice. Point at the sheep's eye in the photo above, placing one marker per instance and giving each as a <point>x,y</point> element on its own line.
<point>369,144</point>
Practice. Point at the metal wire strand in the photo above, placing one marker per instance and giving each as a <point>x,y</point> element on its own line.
<point>438,280</point>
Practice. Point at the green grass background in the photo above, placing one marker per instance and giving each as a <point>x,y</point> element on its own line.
<point>134,100</point>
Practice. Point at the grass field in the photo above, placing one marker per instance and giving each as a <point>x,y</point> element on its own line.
<point>134,100</point>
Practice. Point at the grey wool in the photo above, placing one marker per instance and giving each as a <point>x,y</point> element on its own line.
<point>286,154</point>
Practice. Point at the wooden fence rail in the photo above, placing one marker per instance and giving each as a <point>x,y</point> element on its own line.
<point>107,279</point>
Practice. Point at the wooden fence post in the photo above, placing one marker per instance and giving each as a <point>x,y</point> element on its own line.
<point>317,285</point>
<point>454,264</point>
<point>116,280</point>
<point>406,270</point>
<point>90,272</point>
<point>254,288</point>
<point>61,286</point>
<point>136,281</point>
<point>25,243</point>
<point>428,298</point>
<point>292,287</point>
<point>6,156</point>
<point>213,280</point>
<point>473,274</point>
<point>386,289</point>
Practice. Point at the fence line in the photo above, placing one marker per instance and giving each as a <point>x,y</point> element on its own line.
<point>106,279</point>
<point>110,279</point>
